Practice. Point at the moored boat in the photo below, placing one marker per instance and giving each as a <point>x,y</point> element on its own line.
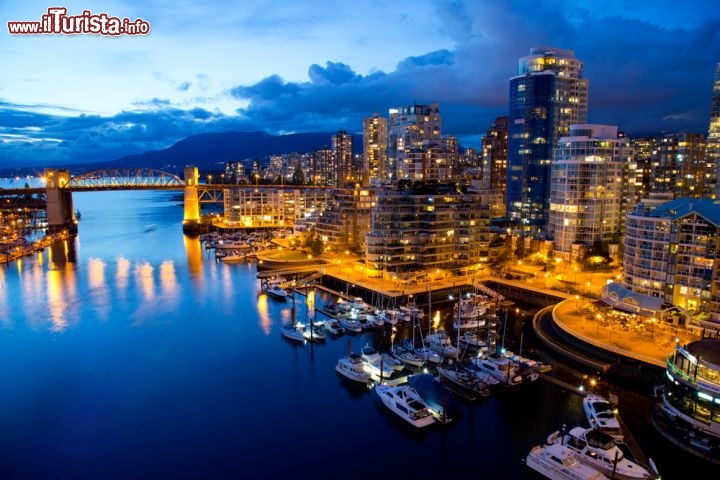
<point>464,381</point>
<point>291,332</point>
<point>601,414</point>
<point>405,402</point>
<point>499,367</point>
<point>352,367</point>
<point>600,451</point>
<point>558,462</point>
<point>274,290</point>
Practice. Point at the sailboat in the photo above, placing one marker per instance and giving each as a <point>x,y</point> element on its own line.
<point>312,332</point>
<point>290,330</point>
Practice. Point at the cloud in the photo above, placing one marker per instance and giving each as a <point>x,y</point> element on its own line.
<point>647,73</point>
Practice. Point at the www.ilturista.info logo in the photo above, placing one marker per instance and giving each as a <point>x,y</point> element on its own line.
<point>57,21</point>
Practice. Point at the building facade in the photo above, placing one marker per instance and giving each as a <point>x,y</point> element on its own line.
<point>592,184</point>
<point>375,140</point>
<point>345,220</point>
<point>494,155</point>
<point>271,207</point>
<point>547,96</point>
<point>713,138</point>
<point>670,251</point>
<point>679,167</point>
<point>424,227</point>
<point>342,148</point>
<point>411,128</point>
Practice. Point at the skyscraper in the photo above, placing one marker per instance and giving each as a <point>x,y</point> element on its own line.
<point>547,96</point>
<point>591,188</point>
<point>712,155</point>
<point>343,155</point>
<point>375,137</point>
<point>411,128</point>
<point>494,155</point>
<point>679,166</point>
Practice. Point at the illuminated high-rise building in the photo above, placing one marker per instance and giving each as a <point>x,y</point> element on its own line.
<point>547,96</point>
<point>494,155</point>
<point>713,138</point>
<point>411,128</point>
<point>679,167</point>
<point>591,189</point>
<point>342,147</point>
<point>375,161</point>
<point>644,151</point>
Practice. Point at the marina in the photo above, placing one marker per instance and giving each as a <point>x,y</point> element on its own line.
<point>179,357</point>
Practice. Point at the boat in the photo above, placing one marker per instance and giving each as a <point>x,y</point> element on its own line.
<point>440,342</point>
<point>472,341</point>
<point>600,451</point>
<point>314,333</point>
<point>291,332</point>
<point>352,367</point>
<point>408,356</point>
<point>349,324</point>
<point>395,363</point>
<point>464,381</point>
<point>602,415</point>
<point>558,462</point>
<point>527,363</point>
<point>405,402</point>
<point>499,367</point>
<point>274,290</point>
<point>333,327</point>
<point>233,258</point>
<point>374,363</point>
<point>429,355</point>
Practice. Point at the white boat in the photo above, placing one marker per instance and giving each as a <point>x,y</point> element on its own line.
<point>499,367</point>
<point>408,356</point>
<point>274,290</point>
<point>291,332</point>
<point>353,368</point>
<point>405,402</point>
<point>314,333</point>
<point>602,415</point>
<point>558,462</point>
<point>349,324</point>
<point>429,355</point>
<point>440,342</point>
<point>465,381</point>
<point>392,361</point>
<point>374,363</point>
<point>233,258</point>
<point>472,341</point>
<point>333,327</point>
<point>600,451</point>
<point>528,363</point>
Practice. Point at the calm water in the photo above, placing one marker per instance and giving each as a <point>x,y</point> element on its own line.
<point>134,354</point>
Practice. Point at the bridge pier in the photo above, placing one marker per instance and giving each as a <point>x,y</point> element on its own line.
<point>60,212</point>
<point>191,210</point>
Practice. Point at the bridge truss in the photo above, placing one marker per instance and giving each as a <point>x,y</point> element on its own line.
<point>126,179</point>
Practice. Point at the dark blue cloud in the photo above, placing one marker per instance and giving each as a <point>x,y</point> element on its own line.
<point>644,77</point>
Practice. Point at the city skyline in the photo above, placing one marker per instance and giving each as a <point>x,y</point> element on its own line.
<point>283,67</point>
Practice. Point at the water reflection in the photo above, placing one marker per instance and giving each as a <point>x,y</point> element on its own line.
<point>193,250</point>
<point>122,275</point>
<point>98,288</point>
<point>56,300</point>
<point>264,316</point>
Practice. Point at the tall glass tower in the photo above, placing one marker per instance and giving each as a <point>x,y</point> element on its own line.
<point>547,96</point>
<point>712,152</point>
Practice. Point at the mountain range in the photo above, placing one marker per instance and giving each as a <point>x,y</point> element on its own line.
<point>209,151</point>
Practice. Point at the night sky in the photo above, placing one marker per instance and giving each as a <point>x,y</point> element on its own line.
<point>317,65</point>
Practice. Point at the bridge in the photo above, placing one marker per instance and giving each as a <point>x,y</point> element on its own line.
<point>56,196</point>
